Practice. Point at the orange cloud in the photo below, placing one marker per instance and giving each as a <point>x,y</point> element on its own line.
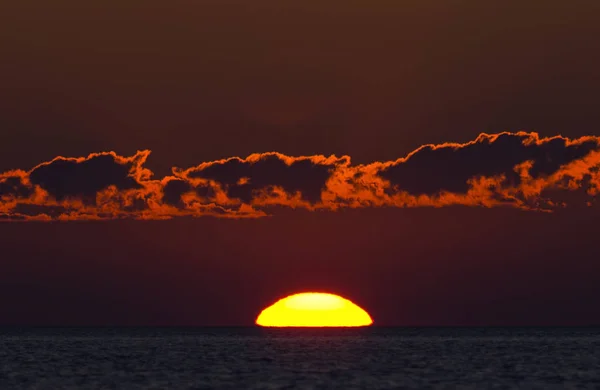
<point>521,170</point>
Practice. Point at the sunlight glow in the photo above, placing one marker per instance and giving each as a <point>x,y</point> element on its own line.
<point>313,309</point>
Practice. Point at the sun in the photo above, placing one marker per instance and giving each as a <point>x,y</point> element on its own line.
<point>314,309</point>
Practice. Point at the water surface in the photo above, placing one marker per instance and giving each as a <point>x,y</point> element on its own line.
<point>260,358</point>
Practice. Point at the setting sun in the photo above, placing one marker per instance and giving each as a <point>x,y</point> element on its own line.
<point>314,309</point>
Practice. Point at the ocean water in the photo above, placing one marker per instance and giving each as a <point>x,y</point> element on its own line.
<point>259,358</point>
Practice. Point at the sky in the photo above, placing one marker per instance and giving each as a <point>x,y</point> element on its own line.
<point>191,162</point>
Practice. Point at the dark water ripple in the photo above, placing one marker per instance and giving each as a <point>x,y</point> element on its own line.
<point>255,358</point>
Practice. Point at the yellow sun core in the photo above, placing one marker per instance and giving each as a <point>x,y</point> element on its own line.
<point>314,309</point>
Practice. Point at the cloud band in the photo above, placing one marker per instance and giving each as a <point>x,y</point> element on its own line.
<point>521,170</point>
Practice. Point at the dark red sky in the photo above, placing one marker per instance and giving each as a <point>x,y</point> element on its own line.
<point>196,81</point>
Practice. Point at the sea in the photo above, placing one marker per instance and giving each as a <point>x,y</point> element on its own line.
<point>267,358</point>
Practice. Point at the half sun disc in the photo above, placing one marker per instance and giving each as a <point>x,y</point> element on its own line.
<point>314,309</point>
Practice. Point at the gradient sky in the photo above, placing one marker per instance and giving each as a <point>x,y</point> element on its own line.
<point>199,81</point>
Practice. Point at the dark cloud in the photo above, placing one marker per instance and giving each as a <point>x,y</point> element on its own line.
<point>173,190</point>
<point>518,170</point>
<point>242,178</point>
<point>448,167</point>
<point>12,217</point>
<point>39,209</point>
<point>83,178</point>
<point>14,186</point>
